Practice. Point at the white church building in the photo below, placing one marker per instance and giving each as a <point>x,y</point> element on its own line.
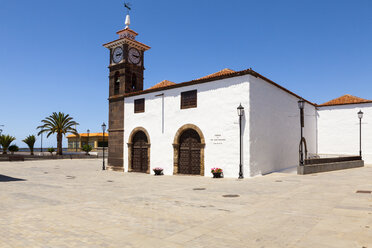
<point>192,127</point>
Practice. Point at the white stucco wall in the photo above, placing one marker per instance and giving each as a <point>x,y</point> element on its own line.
<point>338,130</point>
<point>216,116</point>
<point>275,128</point>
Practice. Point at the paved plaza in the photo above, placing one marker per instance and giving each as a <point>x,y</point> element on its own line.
<point>73,203</point>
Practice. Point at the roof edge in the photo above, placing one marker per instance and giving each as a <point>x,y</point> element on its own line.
<point>206,80</point>
<point>337,104</point>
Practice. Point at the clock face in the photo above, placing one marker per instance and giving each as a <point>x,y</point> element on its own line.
<point>134,56</point>
<point>117,56</point>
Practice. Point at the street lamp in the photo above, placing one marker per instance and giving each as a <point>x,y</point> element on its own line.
<point>360,116</point>
<point>103,145</point>
<point>88,131</point>
<point>1,131</point>
<point>301,106</point>
<point>41,144</point>
<point>240,110</point>
<point>76,140</point>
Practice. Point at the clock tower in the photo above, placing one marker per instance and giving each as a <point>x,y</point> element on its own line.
<point>126,75</point>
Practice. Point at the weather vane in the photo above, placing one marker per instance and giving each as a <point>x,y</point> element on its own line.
<point>127,5</point>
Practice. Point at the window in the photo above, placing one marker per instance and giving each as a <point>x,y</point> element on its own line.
<point>139,105</point>
<point>188,99</point>
<point>102,144</point>
<point>116,83</point>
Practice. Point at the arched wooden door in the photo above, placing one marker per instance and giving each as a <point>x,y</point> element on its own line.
<point>140,152</point>
<point>189,153</point>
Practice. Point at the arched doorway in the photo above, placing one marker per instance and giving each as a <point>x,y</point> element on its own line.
<point>189,153</point>
<point>139,151</point>
<point>188,147</point>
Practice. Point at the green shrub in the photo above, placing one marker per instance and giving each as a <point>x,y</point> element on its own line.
<point>13,149</point>
<point>51,150</point>
<point>87,148</point>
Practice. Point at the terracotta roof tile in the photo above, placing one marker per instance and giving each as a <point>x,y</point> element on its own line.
<point>346,99</point>
<point>205,80</point>
<point>163,83</point>
<point>219,73</point>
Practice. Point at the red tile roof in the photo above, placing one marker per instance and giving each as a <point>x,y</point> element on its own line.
<point>209,79</point>
<point>225,71</point>
<point>163,83</point>
<point>346,99</point>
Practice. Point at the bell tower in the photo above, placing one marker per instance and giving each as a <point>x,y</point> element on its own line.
<point>126,75</point>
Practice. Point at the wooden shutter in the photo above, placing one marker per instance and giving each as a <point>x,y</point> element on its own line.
<point>139,105</point>
<point>189,99</point>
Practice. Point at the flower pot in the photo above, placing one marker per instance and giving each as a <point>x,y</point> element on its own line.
<point>217,175</point>
<point>158,172</point>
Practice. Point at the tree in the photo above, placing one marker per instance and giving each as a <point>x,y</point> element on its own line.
<point>5,141</point>
<point>59,124</point>
<point>13,148</point>
<point>87,149</point>
<point>30,141</point>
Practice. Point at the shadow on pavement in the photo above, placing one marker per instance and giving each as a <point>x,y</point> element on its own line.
<point>9,179</point>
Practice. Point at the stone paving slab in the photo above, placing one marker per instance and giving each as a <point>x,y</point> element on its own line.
<point>73,203</point>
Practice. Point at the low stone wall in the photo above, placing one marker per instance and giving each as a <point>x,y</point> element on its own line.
<point>324,167</point>
<point>16,157</point>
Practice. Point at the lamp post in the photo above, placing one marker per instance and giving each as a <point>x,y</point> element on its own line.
<point>301,106</point>
<point>76,141</point>
<point>103,145</point>
<point>360,116</point>
<point>240,114</point>
<point>88,131</point>
<point>41,144</point>
<point>1,131</point>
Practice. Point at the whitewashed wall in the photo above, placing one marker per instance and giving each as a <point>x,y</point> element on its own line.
<point>215,114</point>
<point>275,128</point>
<point>338,130</point>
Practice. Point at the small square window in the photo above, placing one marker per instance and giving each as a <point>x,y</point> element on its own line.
<point>188,99</point>
<point>139,105</point>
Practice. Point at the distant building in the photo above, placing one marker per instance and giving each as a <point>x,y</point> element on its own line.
<point>96,140</point>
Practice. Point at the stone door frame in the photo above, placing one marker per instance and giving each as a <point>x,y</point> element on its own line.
<point>130,147</point>
<point>176,146</point>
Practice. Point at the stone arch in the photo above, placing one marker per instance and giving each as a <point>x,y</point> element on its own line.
<point>130,146</point>
<point>176,146</point>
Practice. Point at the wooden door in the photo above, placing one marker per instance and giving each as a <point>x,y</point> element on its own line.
<point>189,153</point>
<point>139,152</point>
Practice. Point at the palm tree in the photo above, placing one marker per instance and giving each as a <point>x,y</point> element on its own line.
<point>5,141</point>
<point>30,141</point>
<point>60,124</point>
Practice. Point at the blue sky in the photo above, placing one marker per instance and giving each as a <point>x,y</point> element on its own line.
<point>52,59</point>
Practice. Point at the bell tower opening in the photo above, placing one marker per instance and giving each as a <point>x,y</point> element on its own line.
<point>117,83</point>
<point>134,82</point>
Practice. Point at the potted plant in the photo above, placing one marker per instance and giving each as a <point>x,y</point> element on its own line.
<point>217,172</point>
<point>13,148</point>
<point>158,171</point>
